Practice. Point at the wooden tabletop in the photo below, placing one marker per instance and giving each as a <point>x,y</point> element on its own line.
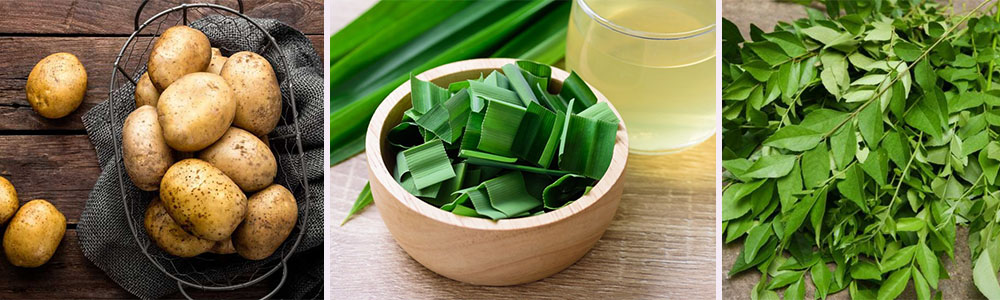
<point>661,243</point>
<point>53,159</point>
<point>765,14</point>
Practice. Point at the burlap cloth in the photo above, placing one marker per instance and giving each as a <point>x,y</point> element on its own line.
<point>103,230</point>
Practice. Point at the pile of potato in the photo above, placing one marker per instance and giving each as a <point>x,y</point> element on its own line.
<point>196,137</point>
<point>35,229</point>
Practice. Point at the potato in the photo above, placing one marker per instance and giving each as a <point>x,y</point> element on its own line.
<point>8,200</point>
<point>56,85</point>
<point>223,247</point>
<point>255,88</point>
<point>196,111</point>
<point>169,236</point>
<point>271,215</point>
<point>179,51</point>
<point>202,199</point>
<point>145,92</point>
<point>215,67</point>
<point>34,234</point>
<point>244,158</point>
<point>147,156</point>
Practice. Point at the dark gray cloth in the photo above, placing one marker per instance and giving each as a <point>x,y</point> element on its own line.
<point>110,243</point>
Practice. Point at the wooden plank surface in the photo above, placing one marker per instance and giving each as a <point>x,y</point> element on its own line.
<point>53,159</point>
<point>765,14</point>
<point>71,17</point>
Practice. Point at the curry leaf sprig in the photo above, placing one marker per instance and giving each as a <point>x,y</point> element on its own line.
<point>855,144</point>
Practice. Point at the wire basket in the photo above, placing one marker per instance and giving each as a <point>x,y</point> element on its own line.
<point>212,272</point>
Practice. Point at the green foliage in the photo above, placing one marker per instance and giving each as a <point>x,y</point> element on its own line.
<point>859,139</point>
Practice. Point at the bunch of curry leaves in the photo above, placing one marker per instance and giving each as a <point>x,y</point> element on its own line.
<point>855,141</point>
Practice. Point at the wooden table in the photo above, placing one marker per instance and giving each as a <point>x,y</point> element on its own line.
<point>53,159</point>
<point>765,14</point>
<point>661,243</point>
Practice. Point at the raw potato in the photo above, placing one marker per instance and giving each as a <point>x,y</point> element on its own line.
<point>8,200</point>
<point>255,88</point>
<point>145,92</point>
<point>271,215</point>
<point>244,158</point>
<point>223,247</point>
<point>179,51</point>
<point>202,199</point>
<point>56,85</point>
<point>34,234</point>
<point>215,67</point>
<point>196,111</point>
<point>169,236</point>
<point>147,156</point>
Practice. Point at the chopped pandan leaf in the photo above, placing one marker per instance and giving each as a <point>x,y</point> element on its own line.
<point>456,86</point>
<point>513,167</point>
<point>564,190</point>
<point>556,102</point>
<point>536,183</point>
<point>592,143</point>
<point>429,164</point>
<point>519,84</point>
<point>575,88</point>
<point>537,136</point>
<point>486,156</point>
<point>535,69</point>
<point>600,111</point>
<point>462,210</point>
<point>500,127</point>
<point>482,93</point>
<point>445,194</point>
<point>473,132</point>
<point>425,95</point>
<point>481,202</point>
<point>364,200</point>
<point>401,168</point>
<point>497,79</point>
<point>405,135</point>
<point>447,120</point>
<point>509,195</point>
<point>410,115</point>
<point>458,197</point>
<point>429,192</point>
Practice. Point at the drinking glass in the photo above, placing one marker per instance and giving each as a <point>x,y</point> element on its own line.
<point>655,61</point>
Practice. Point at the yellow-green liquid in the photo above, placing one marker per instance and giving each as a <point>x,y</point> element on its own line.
<point>664,89</point>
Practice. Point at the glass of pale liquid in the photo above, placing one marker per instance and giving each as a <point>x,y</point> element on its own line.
<point>655,61</point>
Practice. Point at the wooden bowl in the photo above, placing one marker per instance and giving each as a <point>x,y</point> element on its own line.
<point>482,251</point>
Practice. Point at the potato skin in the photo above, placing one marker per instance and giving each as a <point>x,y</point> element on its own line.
<point>202,200</point>
<point>145,92</point>
<point>147,156</point>
<point>255,88</point>
<point>169,236</point>
<point>8,200</point>
<point>244,158</point>
<point>215,66</point>
<point>179,51</point>
<point>196,111</point>
<point>34,234</point>
<point>271,215</point>
<point>56,85</point>
<point>223,247</point>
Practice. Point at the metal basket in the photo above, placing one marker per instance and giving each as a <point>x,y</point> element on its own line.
<point>211,272</point>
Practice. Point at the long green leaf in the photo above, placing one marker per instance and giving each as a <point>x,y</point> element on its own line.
<point>364,199</point>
